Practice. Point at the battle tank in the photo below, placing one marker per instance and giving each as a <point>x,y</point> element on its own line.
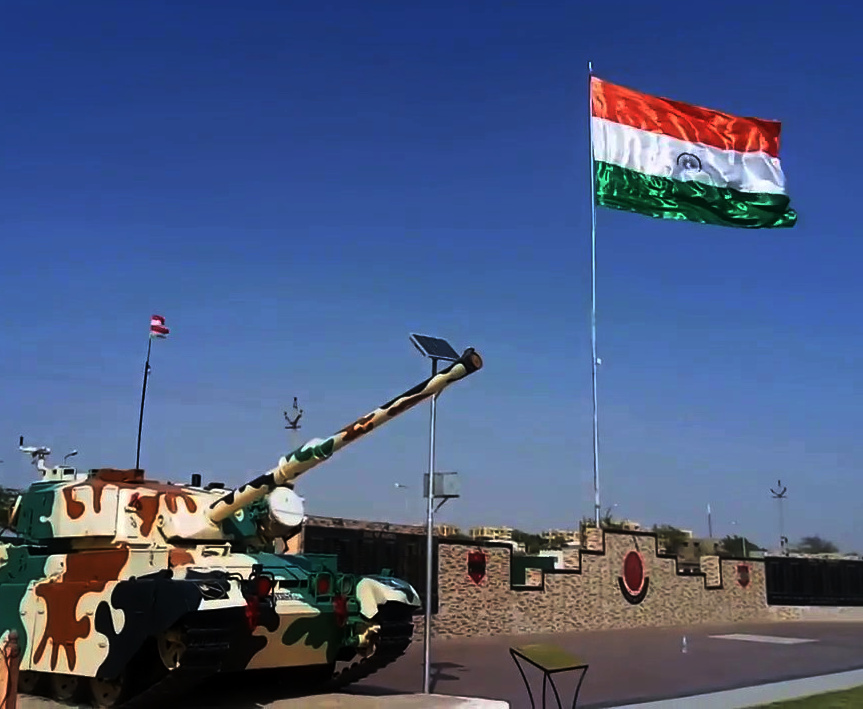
<point>130,591</point>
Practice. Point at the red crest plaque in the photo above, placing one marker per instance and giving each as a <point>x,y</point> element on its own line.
<point>476,566</point>
<point>743,578</point>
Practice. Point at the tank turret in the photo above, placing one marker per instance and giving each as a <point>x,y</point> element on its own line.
<point>108,506</point>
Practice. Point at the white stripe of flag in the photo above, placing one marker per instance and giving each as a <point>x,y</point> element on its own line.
<point>157,327</point>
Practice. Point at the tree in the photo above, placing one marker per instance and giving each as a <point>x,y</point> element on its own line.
<point>670,537</point>
<point>532,542</point>
<point>606,521</point>
<point>732,545</point>
<point>8,496</point>
<point>816,545</point>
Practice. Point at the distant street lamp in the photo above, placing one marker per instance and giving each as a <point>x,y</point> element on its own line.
<point>780,494</point>
<point>401,486</point>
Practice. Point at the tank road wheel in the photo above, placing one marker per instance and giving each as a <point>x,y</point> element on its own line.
<point>109,692</point>
<point>29,682</point>
<point>171,648</point>
<point>65,688</point>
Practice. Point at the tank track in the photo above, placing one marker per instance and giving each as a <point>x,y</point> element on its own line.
<point>394,638</point>
<point>206,645</point>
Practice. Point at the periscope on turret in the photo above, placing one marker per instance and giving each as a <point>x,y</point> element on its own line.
<point>110,571</point>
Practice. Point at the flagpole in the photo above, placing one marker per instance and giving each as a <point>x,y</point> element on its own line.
<point>593,291</point>
<point>143,394</point>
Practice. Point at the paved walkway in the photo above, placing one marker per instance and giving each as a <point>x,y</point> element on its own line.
<point>336,701</point>
<point>626,667</point>
<point>635,665</point>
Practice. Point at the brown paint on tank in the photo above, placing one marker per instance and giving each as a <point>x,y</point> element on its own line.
<point>86,572</point>
<point>406,404</point>
<point>147,507</point>
<point>172,497</point>
<point>74,508</point>
<point>179,557</point>
<point>358,428</point>
<point>115,475</point>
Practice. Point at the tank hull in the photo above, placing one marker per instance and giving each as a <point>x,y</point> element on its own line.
<point>178,616</point>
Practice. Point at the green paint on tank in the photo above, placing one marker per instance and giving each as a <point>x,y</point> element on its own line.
<point>315,631</point>
<point>17,571</point>
<point>241,528</point>
<point>37,506</point>
<point>320,451</point>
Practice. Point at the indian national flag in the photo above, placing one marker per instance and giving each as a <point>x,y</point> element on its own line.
<point>673,160</point>
<point>157,327</point>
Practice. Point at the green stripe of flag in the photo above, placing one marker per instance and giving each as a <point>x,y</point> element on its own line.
<point>620,188</point>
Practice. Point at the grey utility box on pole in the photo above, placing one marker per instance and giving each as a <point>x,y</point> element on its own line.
<point>447,486</point>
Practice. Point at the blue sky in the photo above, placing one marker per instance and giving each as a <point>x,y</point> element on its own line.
<point>296,188</point>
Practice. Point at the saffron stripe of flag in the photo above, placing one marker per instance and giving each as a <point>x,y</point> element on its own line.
<point>157,327</point>
<point>674,160</point>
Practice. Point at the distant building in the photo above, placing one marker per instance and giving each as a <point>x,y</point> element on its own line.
<point>690,552</point>
<point>447,530</point>
<point>491,534</point>
<point>495,534</point>
<point>569,537</point>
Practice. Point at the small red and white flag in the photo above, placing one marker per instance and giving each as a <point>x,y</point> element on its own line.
<point>157,327</point>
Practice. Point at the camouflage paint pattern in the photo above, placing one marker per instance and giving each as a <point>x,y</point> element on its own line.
<point>107,559</point>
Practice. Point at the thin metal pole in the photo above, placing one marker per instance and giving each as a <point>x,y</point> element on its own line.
<point>782,525</point>
<point>143,394</point>
<point>709,523</point>
<point>593,295</point>
<point>429,546</point>
<point>779,494</point>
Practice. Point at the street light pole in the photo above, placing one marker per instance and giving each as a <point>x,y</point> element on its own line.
<point>780,495</point>
<point>429,544</point>
<point>709,523</point>
<point>742,538</point>
<point>435,349</point>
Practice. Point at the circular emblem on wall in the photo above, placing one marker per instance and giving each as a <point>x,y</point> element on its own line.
<point>633,580</point>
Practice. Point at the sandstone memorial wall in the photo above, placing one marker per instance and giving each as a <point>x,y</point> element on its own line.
<point>619,580</point>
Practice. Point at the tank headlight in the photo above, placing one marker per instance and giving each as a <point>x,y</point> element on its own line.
<point>346,585</point>
<point>323,585</point>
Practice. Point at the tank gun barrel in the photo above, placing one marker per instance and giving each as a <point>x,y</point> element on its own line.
<point>316,451</point>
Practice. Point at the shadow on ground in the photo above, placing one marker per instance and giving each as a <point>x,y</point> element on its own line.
<point>440,672</point>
